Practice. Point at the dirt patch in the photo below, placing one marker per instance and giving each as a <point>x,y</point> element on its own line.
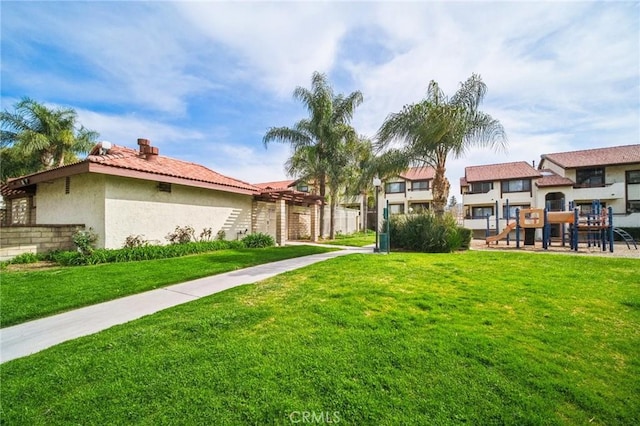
<point>37,266</point>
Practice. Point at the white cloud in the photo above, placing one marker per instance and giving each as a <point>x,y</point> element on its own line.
<point>560,76</point>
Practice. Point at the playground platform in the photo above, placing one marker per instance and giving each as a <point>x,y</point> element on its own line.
<point>621,250</point>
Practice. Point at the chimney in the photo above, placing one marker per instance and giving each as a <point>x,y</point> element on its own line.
<point>533,163</point>
<point>146,150</point>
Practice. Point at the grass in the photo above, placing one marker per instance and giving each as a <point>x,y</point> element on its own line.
<point>358,239</point>
<point>475,337</point>
<point>29,295</point>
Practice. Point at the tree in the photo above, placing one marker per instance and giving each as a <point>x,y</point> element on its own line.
<point>453,202</point>
<point>49,134</point>
<point>438,127</point>
<point>318,142</point>
<point>366,166</point>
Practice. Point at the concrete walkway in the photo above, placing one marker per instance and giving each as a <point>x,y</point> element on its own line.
<point>30,337</point>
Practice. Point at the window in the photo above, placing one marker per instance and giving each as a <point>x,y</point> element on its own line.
<point>420,185</point>
<point>516,185</point>
<point>418,207</point>
<point>394,187</point>
<point>587,178</point>
<point>303,187</point>
<point>396,208</point>
<point>164,187</point>
<point>481,187</point>
<point>67,185</point>
<point>512,210</point>
<point>481,212</point>
<point>587,208</point>
<point>633,191</point>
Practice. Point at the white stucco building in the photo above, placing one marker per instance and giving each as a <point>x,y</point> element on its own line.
<point>119,192</point>
<point>610,175</point>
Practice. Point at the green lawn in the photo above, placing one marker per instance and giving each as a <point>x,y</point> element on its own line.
<point>358,239</point>
<point>28,295</point>
<point>414,339</point>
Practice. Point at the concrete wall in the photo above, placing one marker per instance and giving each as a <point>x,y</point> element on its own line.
<point>347,221</point>
<point>299,222</point>
<point>137,207</point>
<point>15,240</point>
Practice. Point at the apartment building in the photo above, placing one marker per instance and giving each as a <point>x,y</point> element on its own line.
<point>611,175</point>
<point>409,192</point>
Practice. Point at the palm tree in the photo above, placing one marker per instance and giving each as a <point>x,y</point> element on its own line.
<point>438,127</point>
<point>321,137</point>
<point>50,134</point>
<point>366,166</point>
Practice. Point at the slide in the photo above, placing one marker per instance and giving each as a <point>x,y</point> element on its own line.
<point>510,227</point>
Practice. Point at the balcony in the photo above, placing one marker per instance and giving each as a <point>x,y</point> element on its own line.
<point>611,191</point>
<point>481,198</point>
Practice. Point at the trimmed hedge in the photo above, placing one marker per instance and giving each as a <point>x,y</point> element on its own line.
<point>427,233</point>
<point>74,258</point>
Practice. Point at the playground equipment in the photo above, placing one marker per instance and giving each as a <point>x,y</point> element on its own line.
<point>596,227</point>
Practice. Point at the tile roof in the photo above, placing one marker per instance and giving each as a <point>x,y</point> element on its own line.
<point>625,154</point>
<point>492,172</point>
<point>419,173</point>
<point>131,159</point>
<point>279,184</point>
<point>550,178</point>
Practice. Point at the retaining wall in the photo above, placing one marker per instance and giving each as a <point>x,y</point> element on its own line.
<point>15,240</point>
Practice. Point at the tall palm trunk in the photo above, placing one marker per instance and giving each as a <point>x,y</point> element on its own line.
<point>440,184</point>
<point>365,209</point>
<point>332,214</point>
<point>323,191</point>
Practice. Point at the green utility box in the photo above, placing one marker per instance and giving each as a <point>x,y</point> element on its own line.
<point>384,242</point>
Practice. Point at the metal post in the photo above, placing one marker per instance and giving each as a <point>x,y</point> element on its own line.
<point>377,182</point>
<point>546,230</point>
<point>610,229</point>
<point>518,227</point>
<point>508,212</point>
<point>497,221</point>
<point>388,229</point>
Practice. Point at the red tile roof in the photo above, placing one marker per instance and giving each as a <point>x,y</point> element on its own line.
<point>130,159</point>
<point>626,154</point>
<point>503,171</point>
<point>419,173</point>
<point>279,184</point>
<point>550,178</point>
<point>124,161</point>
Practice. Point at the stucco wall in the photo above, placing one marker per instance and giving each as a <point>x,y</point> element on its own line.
<point>264,218</point>
<point>137,207</point>
<point>84,204</point>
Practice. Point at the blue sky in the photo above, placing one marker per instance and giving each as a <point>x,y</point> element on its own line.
<point>205,80</point>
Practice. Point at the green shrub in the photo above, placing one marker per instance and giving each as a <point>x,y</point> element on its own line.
<point>85,240</point>
<point>146,252</point>
<point>258,240</point>
<point>466,235</point>
<point>25,258</point>
<point>427,233</point>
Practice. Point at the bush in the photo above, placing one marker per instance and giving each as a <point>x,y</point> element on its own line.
<point>181,235</point>
<point>146,252</point>
<point>25,258</point>
<point>85,240</point>
<point>133,241</point>
<point>427,233</point>
<point>258,240</point>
